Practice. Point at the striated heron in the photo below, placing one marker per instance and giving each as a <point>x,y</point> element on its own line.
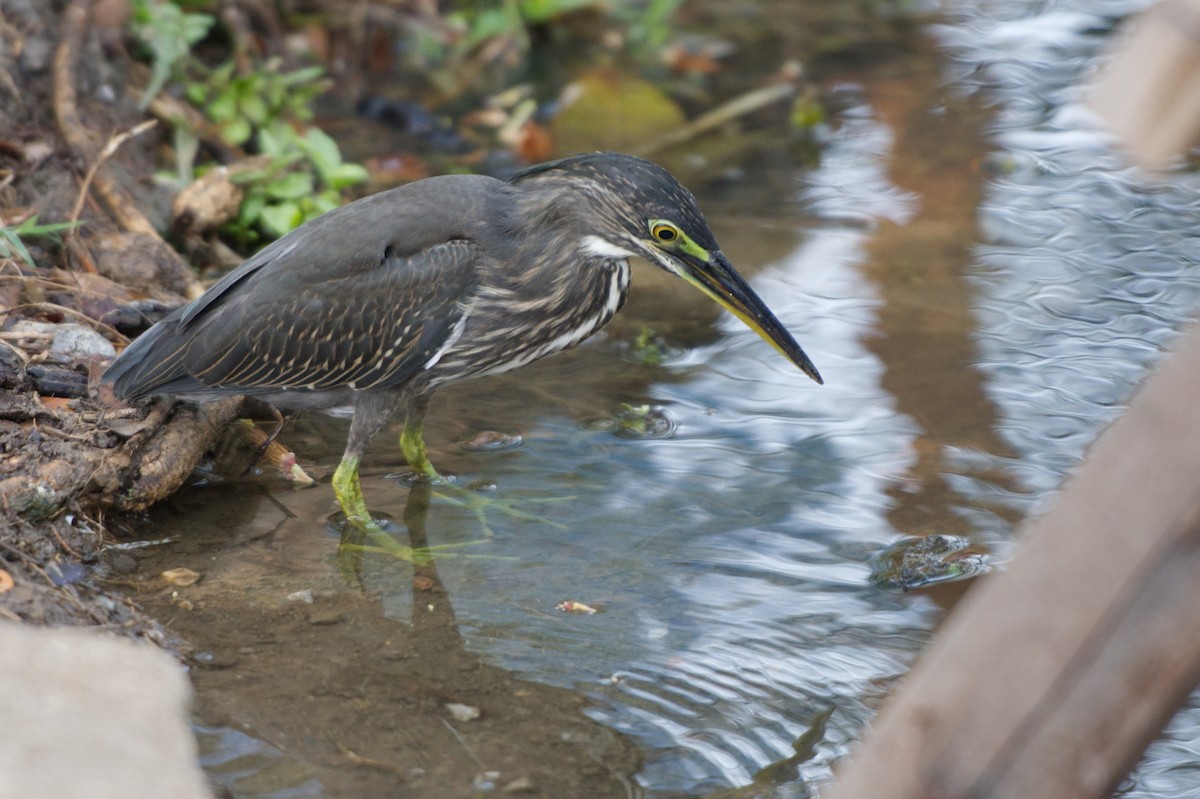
<point>379,303</point>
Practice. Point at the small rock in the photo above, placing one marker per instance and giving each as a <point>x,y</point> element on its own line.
<point>181,577</point>
<point>325,618</point>
<point>463,712</point>
<point>67,572</point>
<point>77,343</point>
<point>207,202</point>
<point>214,660</point>
<point>519,785</point>
<point>122,563</point>
<point>32,328</point>
<point>490,441</point>
<point>485,781</point>
<point>305,596</point>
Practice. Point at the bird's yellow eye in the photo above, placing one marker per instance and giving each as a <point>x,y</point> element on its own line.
<point>665,232</point>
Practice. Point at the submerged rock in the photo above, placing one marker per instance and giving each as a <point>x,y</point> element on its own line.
<point>916,561</point>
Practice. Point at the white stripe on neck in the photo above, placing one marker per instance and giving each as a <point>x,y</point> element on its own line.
<point>602,248</point>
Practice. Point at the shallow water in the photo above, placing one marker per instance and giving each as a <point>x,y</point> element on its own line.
<point>982,284</point>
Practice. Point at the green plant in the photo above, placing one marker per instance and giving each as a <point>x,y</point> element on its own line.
<point>646,25</point>
<point>12,243</point>
<point>649,25</point>
<point>303,179</point>
<point>168,33</point>
<point>648,348</point>
<point>305,174</point>
<point>241,104</point>
<point>261,109</point>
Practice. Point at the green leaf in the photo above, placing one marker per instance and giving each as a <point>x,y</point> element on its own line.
<point>282,218</point>
<point>237,131</point>
<point>223,107</point>
<point>491,23</point>
<point>254,108</point>
<point>12,246</point>
<point>252,207</point>
<point>196,93</point>
<point>168,33</point>
<point>222,75</point>
<point>324,202</point>
<point>187,144</point>
<point>347,175</point>
<point>302,75</point>
<point>537,11</point>
<point>291,186</point>
<point>322,150</point>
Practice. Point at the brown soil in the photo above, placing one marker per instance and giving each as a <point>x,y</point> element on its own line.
<point>67,452</point>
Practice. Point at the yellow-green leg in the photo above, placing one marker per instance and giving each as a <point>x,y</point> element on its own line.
<point>348,490</point>
<point>371,412</point>
<point>412,440</point>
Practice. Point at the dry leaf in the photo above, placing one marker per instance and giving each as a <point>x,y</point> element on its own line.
<point>571,606</point>
<point>182,576</point>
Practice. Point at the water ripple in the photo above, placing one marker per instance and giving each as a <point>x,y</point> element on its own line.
<point>1087,274</point>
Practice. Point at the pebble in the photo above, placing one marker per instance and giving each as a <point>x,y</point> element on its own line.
<point>519,785</point>
<point>463,712</point>
<point>326,617</point>
<point>490,441</point>
<point>76,343</point>
<point>214,660</point>
<point>181,576</point>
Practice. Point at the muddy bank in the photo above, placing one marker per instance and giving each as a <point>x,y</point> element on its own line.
<point>69,454</point>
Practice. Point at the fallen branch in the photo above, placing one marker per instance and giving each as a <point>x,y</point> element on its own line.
<point>722,115</point>
<point>49,475</point>
<point>168,457</point>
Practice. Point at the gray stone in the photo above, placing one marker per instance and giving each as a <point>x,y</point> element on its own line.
<point>89,716</point>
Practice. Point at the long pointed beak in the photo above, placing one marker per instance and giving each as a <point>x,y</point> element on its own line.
<point>717,278</point>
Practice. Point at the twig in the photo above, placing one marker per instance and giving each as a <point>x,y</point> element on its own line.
<point>63,434</point>
<point>738,107</point>
<point>114,143</point>
<point>463,742</point>
<point>358,760</point>
<point>20,353</point>
<point>62,542</point>
<point>17,335</point>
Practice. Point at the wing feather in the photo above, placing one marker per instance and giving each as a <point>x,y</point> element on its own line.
<point>363,326</point>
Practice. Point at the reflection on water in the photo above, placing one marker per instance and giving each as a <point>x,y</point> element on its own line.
<point>1087,270</point>
<point>975,331</point>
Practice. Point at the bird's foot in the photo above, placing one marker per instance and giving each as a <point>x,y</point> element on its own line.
<point>378,536</point>
<point>478,498</point>
<point>427,478</point>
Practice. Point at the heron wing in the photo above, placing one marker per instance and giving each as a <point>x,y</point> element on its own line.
<point>292,320</point>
